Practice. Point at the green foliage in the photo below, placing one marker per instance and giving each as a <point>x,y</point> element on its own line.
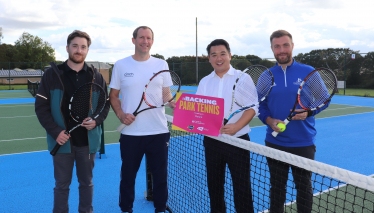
<point>267,63</point>
<point>158,56</point>
<point>34,49</point>
<point>240,64</point>
<point>27,48</point>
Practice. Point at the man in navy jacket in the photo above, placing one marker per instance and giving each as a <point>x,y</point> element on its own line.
<point>299,137</point>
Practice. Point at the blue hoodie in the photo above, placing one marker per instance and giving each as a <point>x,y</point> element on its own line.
<point>281,100</point>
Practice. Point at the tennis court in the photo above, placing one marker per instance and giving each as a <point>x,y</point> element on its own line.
<point>343,140</point>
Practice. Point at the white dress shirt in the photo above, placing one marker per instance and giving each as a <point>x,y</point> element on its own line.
<point>214,86</point>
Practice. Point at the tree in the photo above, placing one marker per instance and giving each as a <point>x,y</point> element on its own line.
<point>33,49</point>
<point>158,56</point>
<point>240,64</point>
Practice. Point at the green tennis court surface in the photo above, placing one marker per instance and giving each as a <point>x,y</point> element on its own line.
<point>346,199</point>
<point>21,131</point>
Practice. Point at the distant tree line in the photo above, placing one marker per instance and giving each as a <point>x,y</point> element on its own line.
<point>31,51</point>
<point>28,48</point>
<point>358,72</point>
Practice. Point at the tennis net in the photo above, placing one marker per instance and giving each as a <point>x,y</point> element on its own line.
<point>333,189</point>
<point>32,87</point>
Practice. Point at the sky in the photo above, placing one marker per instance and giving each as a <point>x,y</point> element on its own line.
<point>246,25</point>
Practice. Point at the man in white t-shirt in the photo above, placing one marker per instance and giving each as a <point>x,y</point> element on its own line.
<point>147,133</point>
<point>217,153</point>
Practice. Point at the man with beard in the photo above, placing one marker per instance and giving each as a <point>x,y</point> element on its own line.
<point>299,137</point>
<point>51,106</point>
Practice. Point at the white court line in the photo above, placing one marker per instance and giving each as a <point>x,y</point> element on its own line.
<point>26,116</point>
<point>20,139</point>
<point>318,193</point>
<point>343,108</point>
<point>14,105</point>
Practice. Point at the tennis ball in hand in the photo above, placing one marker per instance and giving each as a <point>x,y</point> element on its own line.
<point>281,126</point>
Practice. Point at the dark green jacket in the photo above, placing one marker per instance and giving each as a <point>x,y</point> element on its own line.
<point>48,103</point>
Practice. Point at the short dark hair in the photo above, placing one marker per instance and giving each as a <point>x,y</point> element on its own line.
<point>135,33</point>
<point>280,33</point>
<point>78,33</point>
<point>216,43</point>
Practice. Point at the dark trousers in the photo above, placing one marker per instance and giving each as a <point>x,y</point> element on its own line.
<point>133,148</point>
<point>301,177</point>
<point>217,155</point>
<point>63,170</point>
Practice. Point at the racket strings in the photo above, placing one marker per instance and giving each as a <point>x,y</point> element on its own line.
<point>162,89</point>
<point>263,81</point>
<point>245,91</point>
<point>264,84</point>
<point>87,101</point>
<point>317,89</point>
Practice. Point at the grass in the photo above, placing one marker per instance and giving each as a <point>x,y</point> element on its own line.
<point>357,92</point>
<point>13,87</point>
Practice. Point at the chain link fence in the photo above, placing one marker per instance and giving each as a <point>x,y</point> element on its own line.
<point>352,71</point>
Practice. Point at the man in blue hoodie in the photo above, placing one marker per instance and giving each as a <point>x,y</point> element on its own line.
<point>299,137</point>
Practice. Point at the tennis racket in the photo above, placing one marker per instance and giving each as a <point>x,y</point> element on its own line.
<point>250,88</point>
<point>87,101</point>
<point>314,92</point>
<point>155,96</point>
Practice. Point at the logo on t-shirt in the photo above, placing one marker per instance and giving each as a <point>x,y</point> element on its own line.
<point>129,74</point>
<point>298,82</point>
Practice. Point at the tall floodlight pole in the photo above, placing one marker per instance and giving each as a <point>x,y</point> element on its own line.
<point>1,34</point>
<point>197,61</point>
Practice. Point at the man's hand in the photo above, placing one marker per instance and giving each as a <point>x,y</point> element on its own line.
<point>62,138</point>
<point>229,129</point>
<point>272,122</point>
<point>88,123</point>
<point>171,104</point>
<point>300,116</point>
<point>126,118</point>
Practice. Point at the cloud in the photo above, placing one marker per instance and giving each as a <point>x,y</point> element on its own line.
<point>245,25</point>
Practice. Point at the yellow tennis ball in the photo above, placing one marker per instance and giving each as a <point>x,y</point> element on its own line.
<point>281,126</point>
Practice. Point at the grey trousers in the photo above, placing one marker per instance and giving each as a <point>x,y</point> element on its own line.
<point>63,172</point>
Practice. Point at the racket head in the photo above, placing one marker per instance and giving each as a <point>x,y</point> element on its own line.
<point>162,88</point>
<point>317,89</point>
<point>247,93</point>
<point>263,79</point>
<point>87,101</point>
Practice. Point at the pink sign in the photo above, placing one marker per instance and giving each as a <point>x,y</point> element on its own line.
<point>198,114</point>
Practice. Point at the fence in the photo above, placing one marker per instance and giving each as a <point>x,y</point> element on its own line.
<point>14,75</point>
<point>352,73</point>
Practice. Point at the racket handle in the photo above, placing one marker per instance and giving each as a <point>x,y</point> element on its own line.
<point>225,121</point>
<point>121,127</point>
<point>55,149</point>
<point>274,133</point>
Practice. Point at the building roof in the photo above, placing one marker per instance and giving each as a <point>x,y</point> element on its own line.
<point>21,73</point>
<point>96,64</point>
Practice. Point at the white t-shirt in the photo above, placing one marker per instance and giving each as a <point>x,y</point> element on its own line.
<point>130,77</point>
<point>214,86</point>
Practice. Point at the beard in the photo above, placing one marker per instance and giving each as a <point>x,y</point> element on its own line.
<point>284,60</point>
<point>77,61</point>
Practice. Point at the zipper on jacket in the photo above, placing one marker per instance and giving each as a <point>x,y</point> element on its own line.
<point>285,76</point>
